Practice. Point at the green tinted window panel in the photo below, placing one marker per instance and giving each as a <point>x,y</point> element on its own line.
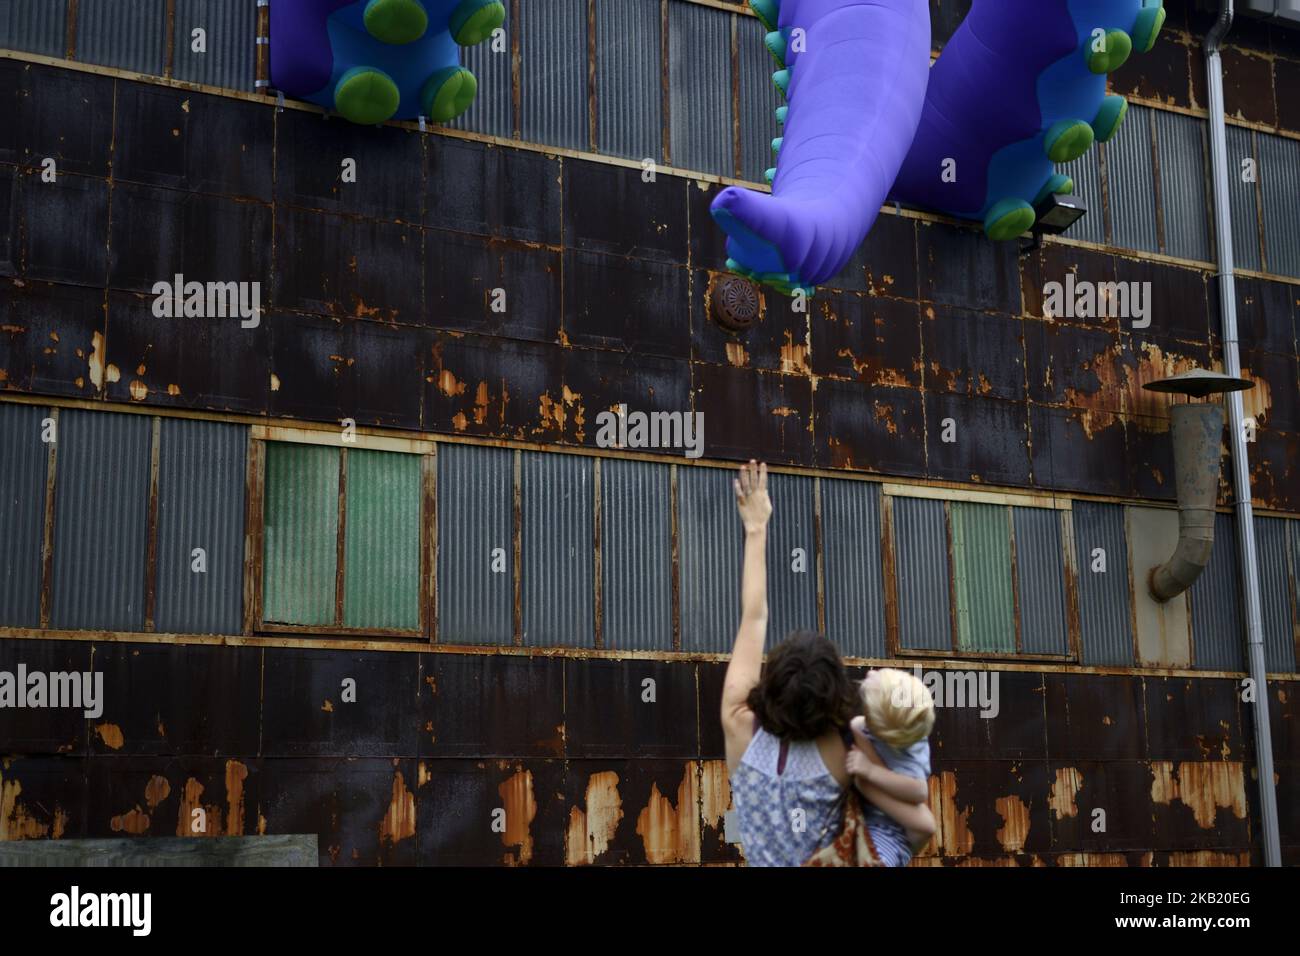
<point>381,548</point>
<point>981,550</point>
<point>300,528</point>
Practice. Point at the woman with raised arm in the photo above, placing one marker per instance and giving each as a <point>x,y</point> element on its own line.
<point>786,726</point>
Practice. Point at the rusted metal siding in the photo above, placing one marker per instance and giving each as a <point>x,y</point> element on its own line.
<point>22,513</point>
<point>1217,622</point>
<point>557,550</point>
<point>1129,159</point>
<point>1280,177</point>
<point>981,560</point>
<point>101,521</point>
<point>1040,574</point>
<point>711,546</point>
<point>791,557</point>
<point>231,27</point>
<point>130,36</point>
<point>636,555</point>
<point>1105,616</point>
<point>1276,594</point>
<point>855,612</point>
<point>758,100</point>
<point>301,526</point>
<point>381,568</point>
<point>1242,197</point>
<point>492,111</point>
<point>201,481</point>
<point>36,26</point>
<point>553,72</point>
<point>475,522</point>
<point>921,569</point>
<point>1086,173</point>
<point>699,84</point>
<point>629,100</point>
<point>1180,141</point>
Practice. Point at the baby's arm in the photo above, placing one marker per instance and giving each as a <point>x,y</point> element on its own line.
<point>915,818</point>
<point>873,771</point>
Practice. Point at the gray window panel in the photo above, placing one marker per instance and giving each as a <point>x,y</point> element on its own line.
<point>699,85</point>
<point>710,544</point>
<point>855,611</point>
<point>921,568</point>
<point>636,555</point>
<point>475,575</point>
<point>1217,606</point>
<point>629,97</point>
<point>24,463</point>
<point>558,550</point>
<point>1105,611</point>
<point>1040,569</point>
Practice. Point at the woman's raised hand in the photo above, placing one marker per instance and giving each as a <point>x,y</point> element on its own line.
<point>751,497</point>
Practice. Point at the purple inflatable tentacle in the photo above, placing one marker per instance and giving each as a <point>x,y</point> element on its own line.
<point>302,67</point>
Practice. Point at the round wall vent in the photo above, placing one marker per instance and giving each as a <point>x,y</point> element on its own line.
<point>735,302</point>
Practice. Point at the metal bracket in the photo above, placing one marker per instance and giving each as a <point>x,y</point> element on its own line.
<point>423,126</point>
<point>279,101</point>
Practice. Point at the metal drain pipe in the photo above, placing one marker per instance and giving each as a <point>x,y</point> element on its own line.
<point>1197,430</point>
<point>1236,437</point>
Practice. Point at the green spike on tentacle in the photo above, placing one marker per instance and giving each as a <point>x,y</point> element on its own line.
<point>767,11</point>
<point>474,20</point>
<point>769,174</point>
<point>1067,140</point>
<point>1008,219</point>
<point>782,80</point>
<point>395,21</point>
<point>1114,52</point>
<point>1057,185</point>
<point>1109,117</point>
<point>1149,21</point>
<point>776,144</point>
<point>366,96</point>
<point>448,93</point>
<point>781,113</point>
<point>776,45</point>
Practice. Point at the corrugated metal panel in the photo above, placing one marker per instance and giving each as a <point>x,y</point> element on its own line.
<point>558,551</point>
<point>1279,161</point>
<point>130,36</point>
<point>629,102</point>
<point>37,26</point>
<point>22,513</point>
<point>758,101</point>
<point>1275,594</point>
<point>710,541</point>
<point>553,62</point>
<point>1130,178</point>
<point>1293,585</point>
<point>1086,173</point>
<point>1241,195</point>
<point>791,556</point>
<point>1105,618</point>
<point>231,28</point>
<point>1180,142</point>
<point>699,85</point>
<point>301,518</point>
<point>475,545</point>
<point>381,546</point>
<point>981,552</point>
<point>201,481</point>
<point>1040,574</point>
<point>1216,604</point>
<point>490,112</point>
<point>636,555</point>
<point>921,567</point>
<point>855,611</point>
<point>101,520</point>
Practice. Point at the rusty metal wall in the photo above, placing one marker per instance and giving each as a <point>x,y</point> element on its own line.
<point>475,518</point>
<point>758,100</point>
<point>792,594</point>
<point>130,36</point>
<point>1215,598</point>
<point>1128,159</point>
<point>1086,173</point>
<point>629,95</point>
<point>553,72</point>
<point>1243,199</point>
<point>855,590</point>
<point>557,550</point>
<point>921,567</point>
<point>1040,573</point>
<point>22,512</point>
<point>36,26</point>
<point>1279,171</point>
<point>1105,615</point>
<point>492,111</point>
<point>1277,593</point>
<point>1184,178</point>
<point>699,86</point>
<point>381,567</point>
<point>201,481</point>
<point>101,521</point>
<point>710,541</point>
<point>636,555</point>
<point>230,60</point>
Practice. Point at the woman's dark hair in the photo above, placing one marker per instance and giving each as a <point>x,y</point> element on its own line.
<point>804,691</point>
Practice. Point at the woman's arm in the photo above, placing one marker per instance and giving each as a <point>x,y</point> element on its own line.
<point>915,818</point>
<point>747,654</point>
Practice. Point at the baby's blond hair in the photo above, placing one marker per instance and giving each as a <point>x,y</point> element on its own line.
<point>898,707</point>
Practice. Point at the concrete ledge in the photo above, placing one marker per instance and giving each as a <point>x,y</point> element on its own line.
<point>290,850</point>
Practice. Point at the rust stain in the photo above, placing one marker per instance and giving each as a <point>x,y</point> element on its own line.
<point>1204,787</point>
<point>482,398</point>
<point>135,822</point>
<point>275,382</point>
<point>111,735</point>
<point>671,834</point>
<point>715,793</point>
<point>15,822</point>
<point>399,822</point>
<point>1015,823</point>
<point>328,706</point>
<point>591,831</point>
<point>96,360</point>
<point>521,809</point>
<point>1256,402</point>
<point>156,791</point>
<point>954,834</point>
<point>138,389</point>
<point>551,412</point>
<point>236,774</point>
<point>460,422</point>
<point>794,358</point>
<point>736,355</point>
<point>1065,788</point>
<point>1092,859</point>
<point>185,819</point>
<point>784,411</point>
<point>173,390</point>
<point>448,385</point>
<point>422,775</point>
<point>1209,858</point>
<point>884,414</point>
